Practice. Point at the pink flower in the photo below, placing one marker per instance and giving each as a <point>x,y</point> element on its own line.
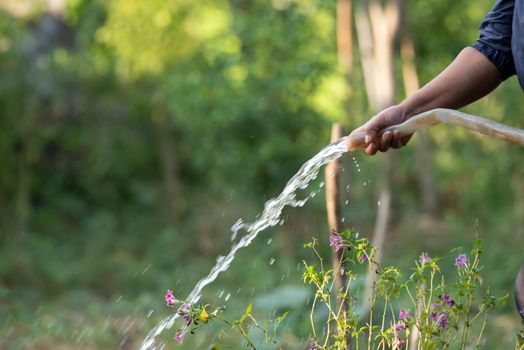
<point>184,309</point>
<point>442,320</point>
<point>433,314</point>
<point>398,342</point>
<point>188,319</point>
<point>403,314</point>
<point>400,327</point>
<point>461,260</point>
<point>179,337</point>
<point>335,240</point>
<point>170,298</point>
<point>424,258</point>
<point>363,258</point>
<point>447,299</point>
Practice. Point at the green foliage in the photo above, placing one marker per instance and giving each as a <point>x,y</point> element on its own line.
<point>442,314</point>
<point>135,135</point>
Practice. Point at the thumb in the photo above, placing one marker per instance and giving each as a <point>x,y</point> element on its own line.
<point>374,126</point>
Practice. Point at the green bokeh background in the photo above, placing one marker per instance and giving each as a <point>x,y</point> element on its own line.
<point>133,134</point>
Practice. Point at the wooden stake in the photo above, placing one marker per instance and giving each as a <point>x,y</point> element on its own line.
<point>332,172</point>
<point>422,147</point>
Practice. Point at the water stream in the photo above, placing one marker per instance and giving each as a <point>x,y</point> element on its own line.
<point>270,216</point>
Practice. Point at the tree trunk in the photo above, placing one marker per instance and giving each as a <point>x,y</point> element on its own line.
<point>422,148</point>
<point>377,25</point>
<point>344,37</point>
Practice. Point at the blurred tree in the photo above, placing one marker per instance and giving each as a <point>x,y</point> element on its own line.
<point>377,26</point>
<point>133,133</point>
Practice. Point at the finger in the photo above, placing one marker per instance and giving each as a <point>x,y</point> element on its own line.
<point>396,141</point>
<point>385,141</point>
<point>378,122</point>
<point>399,140</point>
<point>360,129</point>
<point>371,150</point>
<point>370,135</point>
<point>373,126</point>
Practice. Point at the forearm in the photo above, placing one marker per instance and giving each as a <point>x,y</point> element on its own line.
<point>468,78</point>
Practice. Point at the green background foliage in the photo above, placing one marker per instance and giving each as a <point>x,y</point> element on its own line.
<point>133,134</point>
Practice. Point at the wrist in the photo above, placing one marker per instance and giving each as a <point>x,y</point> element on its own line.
<point>407,110</point>
<point>414,105</point>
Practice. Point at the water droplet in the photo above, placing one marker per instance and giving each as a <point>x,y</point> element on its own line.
<point>147,268</point>
<point>227,297</point>
<point>238,290</point>
<point>268,217</point>
<point>378,203</point>
<point>346,202</point>
<point>272,261</point>
<point>343,219</point>
<point>320,185</point>
<point>150,313</point>
<point>269,241</point>
<point>220,293</point>
<point>119,299</point>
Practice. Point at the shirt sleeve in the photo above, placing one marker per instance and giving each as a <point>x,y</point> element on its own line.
<point>495,37</point>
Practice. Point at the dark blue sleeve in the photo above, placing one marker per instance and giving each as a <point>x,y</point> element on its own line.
<point>495,37</point>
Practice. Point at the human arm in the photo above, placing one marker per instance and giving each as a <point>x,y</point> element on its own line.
<point>474,73</point>
<point>468,78</point>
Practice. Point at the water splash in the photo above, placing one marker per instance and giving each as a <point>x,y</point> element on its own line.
<point>269,217</point>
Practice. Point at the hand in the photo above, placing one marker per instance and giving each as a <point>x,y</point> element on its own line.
<point>377,141</point>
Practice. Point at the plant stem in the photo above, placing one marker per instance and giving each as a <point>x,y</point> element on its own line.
<point>482,330</point>
<point>430,289</point>
<point>240,329</point>
<point>410,296</point>
<point>384,314</point>
<point>371,304</point>
<point>311,317</point>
